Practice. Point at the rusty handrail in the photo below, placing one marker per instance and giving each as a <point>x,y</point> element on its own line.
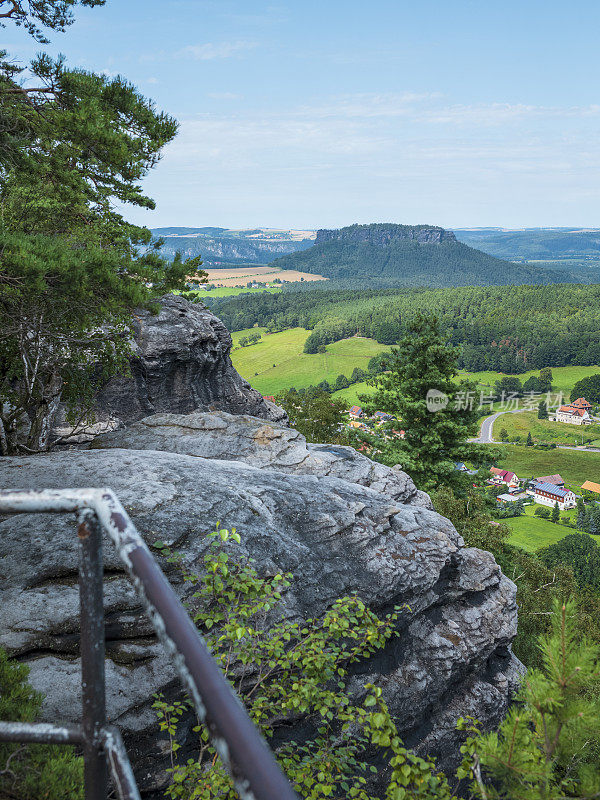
<point>255,772</point>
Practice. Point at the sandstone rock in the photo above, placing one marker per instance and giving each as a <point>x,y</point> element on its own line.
<point>452,655</point>
<point>265,445</point>
<point>383,234</point>
<point>181,362</point>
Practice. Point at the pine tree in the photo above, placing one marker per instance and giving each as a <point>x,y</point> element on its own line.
<point>529,441</point>
<point>582,516</point>
<point>542,410</point>
<point>555,513</point>
<point>73,268</point>
<point>433,409</point>
<point>545,379</point>
<point>546,747</point>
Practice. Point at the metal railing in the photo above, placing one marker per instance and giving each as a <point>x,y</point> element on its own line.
<point>240,746</point>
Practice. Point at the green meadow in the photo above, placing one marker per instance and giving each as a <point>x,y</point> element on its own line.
<point>231,291</point>
<point>563,378</point>
<point>575,466</point>
<point>545,431</point>
<point>277,361</point>
<point>531,533</point>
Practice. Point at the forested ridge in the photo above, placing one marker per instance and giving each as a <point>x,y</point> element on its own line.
<point>538,243</point>
<point>511,328</point>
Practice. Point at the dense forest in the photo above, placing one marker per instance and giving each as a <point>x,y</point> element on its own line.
<point>390,254</point>
<point>511,329</point>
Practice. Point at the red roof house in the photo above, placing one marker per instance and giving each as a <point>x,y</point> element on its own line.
<point>504,476</point>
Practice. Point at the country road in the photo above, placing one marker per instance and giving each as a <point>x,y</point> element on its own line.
<point>487,426</point>
<point>487,430</point>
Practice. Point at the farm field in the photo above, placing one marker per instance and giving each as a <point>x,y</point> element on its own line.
<point>544,431</point>
<point>575,466</point>
<point>277,361</point>
<point>239,276</point>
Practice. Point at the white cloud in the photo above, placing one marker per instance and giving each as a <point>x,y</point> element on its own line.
<point>407,156</point>
<point>211,50</point>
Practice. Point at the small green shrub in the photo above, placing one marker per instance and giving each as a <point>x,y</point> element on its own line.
<point>547,748</point>
<point>285,671</point>
<point>32,772</point>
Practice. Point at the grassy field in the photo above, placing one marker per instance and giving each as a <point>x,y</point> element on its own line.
<point>575,466</point>
<point>563,378</point>
<point>277,362</point>
<point>350,395</point>
<point>231,291</point>
<point>544,431</point>
<point>531,533</point>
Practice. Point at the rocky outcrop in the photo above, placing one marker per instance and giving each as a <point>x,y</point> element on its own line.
<point>338,522</point>
<point>383,234</point>
<point>180,363</point>
<point>263,445</point>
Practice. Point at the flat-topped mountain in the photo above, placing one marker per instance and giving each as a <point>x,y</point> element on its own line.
<point>382,234</point>
<point>410,255</point>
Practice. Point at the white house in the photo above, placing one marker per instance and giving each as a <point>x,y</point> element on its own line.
<point>575,413</point>
<point>504,476</point>
<point>356,412</point>
<point>547,494</point>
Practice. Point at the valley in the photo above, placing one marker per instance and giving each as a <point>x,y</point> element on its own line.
<point>299,429</point>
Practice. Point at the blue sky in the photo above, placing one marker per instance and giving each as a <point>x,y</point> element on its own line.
<point>313,114</point>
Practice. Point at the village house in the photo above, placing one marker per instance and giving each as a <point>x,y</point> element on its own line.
<point>508,498</point>
<point>381,416</point>
<point>359,426</point>
<point>548,494</point>
<point>575,413</point>
<point>555,479</point>
<point>590,486</point>
<point>504,476</point>
<point>356,412</point>
<point>583,404</point>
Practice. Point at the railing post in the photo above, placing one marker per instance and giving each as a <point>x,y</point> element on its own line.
<point>92,654</point>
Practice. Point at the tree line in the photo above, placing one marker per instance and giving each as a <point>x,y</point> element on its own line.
<point>509,329</point>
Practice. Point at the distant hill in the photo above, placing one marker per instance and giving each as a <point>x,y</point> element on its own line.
<point>410,255</point>
<point>223,246</point>
<point>534,243</point>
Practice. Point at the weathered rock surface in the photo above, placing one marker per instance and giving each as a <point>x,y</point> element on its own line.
<point>265,445</point>
<point>181,363</point>
<point>335,521</point>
